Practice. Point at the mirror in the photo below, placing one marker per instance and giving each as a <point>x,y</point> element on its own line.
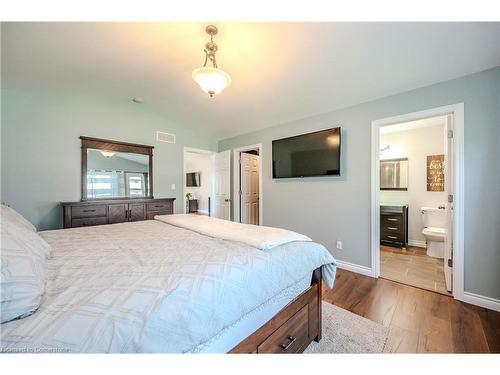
<point>394,174</point>
<point>113,170</point>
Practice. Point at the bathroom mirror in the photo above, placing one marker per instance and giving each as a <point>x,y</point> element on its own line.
<point>394,174</point>
<point>113,170</point>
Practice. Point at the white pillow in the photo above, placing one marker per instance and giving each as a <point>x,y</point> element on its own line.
<point>23,259</point>
<point>13,216</point>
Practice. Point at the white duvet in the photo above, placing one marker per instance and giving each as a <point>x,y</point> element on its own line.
<point>258,236</point>
<point>153,287</point>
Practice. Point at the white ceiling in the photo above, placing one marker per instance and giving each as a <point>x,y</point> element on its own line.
<point>280,71</point>
<point>412,125</point>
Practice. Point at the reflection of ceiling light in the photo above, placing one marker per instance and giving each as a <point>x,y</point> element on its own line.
<point>107,154</point>
<point>211,79</point>
<point>332,140</point>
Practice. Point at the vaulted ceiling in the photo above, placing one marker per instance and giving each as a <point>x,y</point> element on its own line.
<point>280,71</point>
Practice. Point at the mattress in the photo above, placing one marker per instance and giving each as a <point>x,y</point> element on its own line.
<point>150,287</point>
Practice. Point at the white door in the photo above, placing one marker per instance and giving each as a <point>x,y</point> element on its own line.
<point>249,188</point>
<point>448,183</point>
<point>222,185</point>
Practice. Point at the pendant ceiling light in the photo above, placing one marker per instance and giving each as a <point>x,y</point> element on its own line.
<point>107,154</point>
<point>211,79</point>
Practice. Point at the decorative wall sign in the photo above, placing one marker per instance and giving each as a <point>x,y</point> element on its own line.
<point>435,172</point>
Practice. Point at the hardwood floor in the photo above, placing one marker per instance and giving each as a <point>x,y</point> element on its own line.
<point>420,321</point>
<point>413,267</point>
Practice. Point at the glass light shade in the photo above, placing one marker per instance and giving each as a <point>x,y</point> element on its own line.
<point>107,154</point>
<point>211,80</point>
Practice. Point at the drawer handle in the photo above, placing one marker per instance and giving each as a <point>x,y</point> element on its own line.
<point>88,210</point>
<point>391,219</point>
<point>394,238</point>
<point>285,347</point>
<point>392,228</point>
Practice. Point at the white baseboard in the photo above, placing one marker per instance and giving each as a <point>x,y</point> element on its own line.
<point>203,212</point>
<point>417,243</point>
<point>478,300</point>
<point>367,271</point>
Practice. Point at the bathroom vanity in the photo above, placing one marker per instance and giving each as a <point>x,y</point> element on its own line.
<point>394,226</point>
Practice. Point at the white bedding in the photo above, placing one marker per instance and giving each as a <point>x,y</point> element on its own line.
<point>258,236</point>
<point>153,287</point>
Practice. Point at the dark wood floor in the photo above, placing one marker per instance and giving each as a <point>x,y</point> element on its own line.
<point>420,321</point>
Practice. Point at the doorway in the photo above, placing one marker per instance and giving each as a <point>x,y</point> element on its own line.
<point>417,199</point>
<point>248,184</point>
<point>198,180</point>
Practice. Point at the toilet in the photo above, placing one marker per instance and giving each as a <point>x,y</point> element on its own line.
<point>434,220</point>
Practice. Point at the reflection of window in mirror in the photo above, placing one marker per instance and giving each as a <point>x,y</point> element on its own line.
<point>113,174</point>
<point>135,186</point>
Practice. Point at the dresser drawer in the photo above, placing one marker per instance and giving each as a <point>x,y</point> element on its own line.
<point>391,227</point>
<point>391,220</point>
<point>393,237</point>
<point>290,337</point>
<point>88,221</point>
<point>88,211</point>
<point>159,206</point>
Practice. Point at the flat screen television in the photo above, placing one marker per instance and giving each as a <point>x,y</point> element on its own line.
<point>193,179</point>
<point>307,155</point>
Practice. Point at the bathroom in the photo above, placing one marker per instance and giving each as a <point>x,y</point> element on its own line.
<point>414,213</point>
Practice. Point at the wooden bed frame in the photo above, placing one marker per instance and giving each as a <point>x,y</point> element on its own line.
<point>293,328</point>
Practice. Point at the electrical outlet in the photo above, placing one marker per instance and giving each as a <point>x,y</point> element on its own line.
<point>172,186</point>
<point>339,244</point>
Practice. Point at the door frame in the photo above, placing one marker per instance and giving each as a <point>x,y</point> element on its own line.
<point>196,151</point>
<point>236,180</point>
<point>457,153</point>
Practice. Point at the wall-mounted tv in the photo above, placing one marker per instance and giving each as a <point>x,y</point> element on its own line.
<point>307,155</point>
<point>193,179</point>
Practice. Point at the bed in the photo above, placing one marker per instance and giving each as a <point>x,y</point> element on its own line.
<point>155,287</point>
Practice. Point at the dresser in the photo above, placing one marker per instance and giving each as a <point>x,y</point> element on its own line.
<point>100,212</point>
<point>394,226</point>
<point>193,206</point>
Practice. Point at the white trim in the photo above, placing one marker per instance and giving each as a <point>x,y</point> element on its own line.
<point>478,300</point>
<point>458,153</point>
<point>193,150</point>
<point>354,268</point>
<point>417,243</point>
<point>236,180</point>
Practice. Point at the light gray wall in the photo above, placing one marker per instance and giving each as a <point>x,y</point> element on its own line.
<point>41,147</point>
<point>339,208</point>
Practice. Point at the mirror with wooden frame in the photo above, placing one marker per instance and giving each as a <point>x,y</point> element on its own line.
<point>394,174</point>
<point>114,170</point>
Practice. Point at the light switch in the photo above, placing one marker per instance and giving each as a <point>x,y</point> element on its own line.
<point>172,186</point>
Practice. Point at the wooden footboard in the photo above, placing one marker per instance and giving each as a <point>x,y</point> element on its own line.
<point>293,328</point>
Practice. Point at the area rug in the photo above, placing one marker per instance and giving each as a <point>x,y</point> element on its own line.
<point>345,332</point>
